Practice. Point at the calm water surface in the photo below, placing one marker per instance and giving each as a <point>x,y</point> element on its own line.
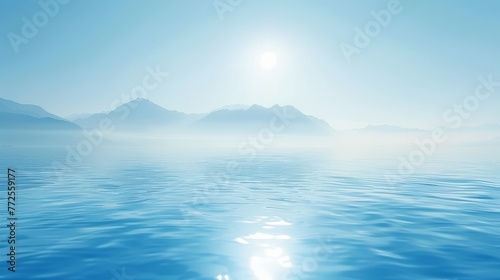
<point>295,214</point>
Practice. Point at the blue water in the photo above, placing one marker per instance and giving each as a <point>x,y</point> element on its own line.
<point>297,214</point>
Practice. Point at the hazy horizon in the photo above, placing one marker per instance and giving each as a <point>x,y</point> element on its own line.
<point>235,107</point>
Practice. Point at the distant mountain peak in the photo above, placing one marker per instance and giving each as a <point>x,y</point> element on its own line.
<point>31,120</point>
<point>256,107</point>
<point>139,115</point>
<point>257,117</point>
<point>9,106</point>
<point>233,107</point>
<point>142,102</point>
<point>145,105</point>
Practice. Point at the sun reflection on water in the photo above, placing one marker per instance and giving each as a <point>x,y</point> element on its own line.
<point>270,259</point>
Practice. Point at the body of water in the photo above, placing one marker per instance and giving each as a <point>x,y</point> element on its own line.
<point>298,214</point>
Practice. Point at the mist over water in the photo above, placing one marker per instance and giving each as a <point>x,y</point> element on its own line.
<point>191,211</point>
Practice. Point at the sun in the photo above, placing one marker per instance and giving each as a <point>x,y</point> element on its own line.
<point>268,60</point>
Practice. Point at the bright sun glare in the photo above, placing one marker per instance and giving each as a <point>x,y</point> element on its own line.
<point>268,60</point>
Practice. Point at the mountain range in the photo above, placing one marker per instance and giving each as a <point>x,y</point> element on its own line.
<point>287,119</point>
<point>144,116</point>
<point>16,116</point>
<point>140,115</point>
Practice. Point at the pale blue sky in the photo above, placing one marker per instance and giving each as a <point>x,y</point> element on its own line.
<point>428,58</point>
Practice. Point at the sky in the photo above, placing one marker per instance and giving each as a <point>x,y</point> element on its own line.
<point>418,63</point>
